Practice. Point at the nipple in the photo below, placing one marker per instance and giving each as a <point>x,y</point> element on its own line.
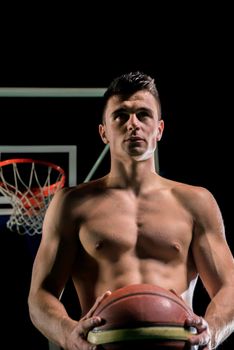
<point>177,247</point>
<point>98,245</point>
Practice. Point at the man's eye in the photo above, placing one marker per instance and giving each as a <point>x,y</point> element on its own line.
<point>121,116</point>
<point>142,115</point>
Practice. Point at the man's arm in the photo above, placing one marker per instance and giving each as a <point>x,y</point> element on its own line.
<point>51,269</point>
<point>215,265</point>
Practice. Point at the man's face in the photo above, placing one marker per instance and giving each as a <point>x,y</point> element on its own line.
<point>132,127</point>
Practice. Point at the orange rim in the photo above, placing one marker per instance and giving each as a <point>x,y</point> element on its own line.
<point>28,200</point>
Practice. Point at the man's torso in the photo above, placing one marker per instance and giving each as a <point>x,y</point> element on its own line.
<point>128,239</point>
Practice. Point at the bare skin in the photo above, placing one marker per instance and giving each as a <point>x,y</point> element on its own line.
<point>131,226</point>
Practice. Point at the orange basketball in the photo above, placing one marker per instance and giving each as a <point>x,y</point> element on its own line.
<point>142,316</point>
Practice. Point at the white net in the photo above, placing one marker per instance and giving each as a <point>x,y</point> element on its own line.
<point>29,185</point>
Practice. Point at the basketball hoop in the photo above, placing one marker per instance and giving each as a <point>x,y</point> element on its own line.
<point>29,185</point>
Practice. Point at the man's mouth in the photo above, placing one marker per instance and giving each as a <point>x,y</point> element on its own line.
<point>135,139</point>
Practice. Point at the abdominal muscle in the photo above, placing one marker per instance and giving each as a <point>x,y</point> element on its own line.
<point>132,270</point>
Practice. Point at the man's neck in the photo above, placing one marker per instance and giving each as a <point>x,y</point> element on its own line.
<point>135,175</point>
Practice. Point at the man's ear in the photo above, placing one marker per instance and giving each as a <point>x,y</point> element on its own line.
<point>102,132</point>
<point>160,129</point>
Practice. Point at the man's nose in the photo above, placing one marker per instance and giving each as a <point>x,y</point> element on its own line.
<point>133,122</point>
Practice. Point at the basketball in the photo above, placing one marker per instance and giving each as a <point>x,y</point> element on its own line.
<point>142,316</point>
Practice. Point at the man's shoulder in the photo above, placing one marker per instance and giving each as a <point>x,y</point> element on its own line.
<point>86,188</point>
<point>189,193</point>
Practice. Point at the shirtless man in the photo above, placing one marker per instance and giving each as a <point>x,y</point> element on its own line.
<point>131,226</point>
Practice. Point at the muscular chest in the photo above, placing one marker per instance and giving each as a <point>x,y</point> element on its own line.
<point>148,228</point>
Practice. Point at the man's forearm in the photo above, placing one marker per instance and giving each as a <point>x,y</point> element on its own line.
<point>50,317</point>
<point>220,316</point>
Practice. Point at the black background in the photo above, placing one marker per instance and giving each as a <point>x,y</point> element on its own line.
<point>193,70</point>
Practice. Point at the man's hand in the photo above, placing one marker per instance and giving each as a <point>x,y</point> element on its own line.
<point>203,337</point>
<point>77,339</point>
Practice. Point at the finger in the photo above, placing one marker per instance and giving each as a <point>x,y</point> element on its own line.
<point>97,303</point>
<point>201,340</point>
<point>85,345</point>
<point>89,323</point>
<point>198,322</point>
<point>81,332</point>
<point>200,344</point>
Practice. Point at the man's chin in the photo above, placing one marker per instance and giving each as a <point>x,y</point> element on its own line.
<point>141,157</point>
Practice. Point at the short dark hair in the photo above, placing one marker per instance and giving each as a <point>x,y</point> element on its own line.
<point>129,83</point>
